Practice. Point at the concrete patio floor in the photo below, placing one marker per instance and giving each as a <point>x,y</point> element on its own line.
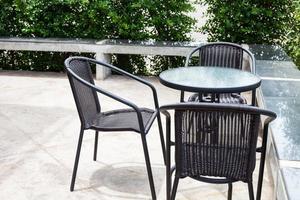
<point>39,129</point>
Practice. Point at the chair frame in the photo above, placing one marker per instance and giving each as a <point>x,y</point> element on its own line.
<point>143,130</point>
<point>171,190</point>
<point>252,67</point>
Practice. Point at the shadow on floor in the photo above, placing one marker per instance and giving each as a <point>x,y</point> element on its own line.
<point>131,179</point>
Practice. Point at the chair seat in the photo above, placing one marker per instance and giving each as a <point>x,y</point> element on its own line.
<point>224,98</point>
<point>122,120</point>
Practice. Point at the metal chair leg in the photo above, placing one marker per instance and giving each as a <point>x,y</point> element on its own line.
<point>161,134</point>
<point>175,185</point>
<point>148,165</point>
<point>181,96</point>
<point>262,163</point>
<point>76,159</point>
<point>229,195</point>
<point>168,181</point>
<point>96,146</point>
<point>260,176</point>
<point>250,189</point>
<point>253,99</point>
<point>168,160</point>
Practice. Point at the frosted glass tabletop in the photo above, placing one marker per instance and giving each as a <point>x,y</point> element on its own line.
<point>209,79</point>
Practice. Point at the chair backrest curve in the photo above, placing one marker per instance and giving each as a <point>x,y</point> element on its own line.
<point>85,97</point>
<point>221,54</point>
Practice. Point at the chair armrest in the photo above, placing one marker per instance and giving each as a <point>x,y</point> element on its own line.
<point>168,123</point>
<point>270,118</point>
<point>189,56</point>
<point>113,96</point>
<point>186,64</point>
<point>122,72</point>
<point>166,113</point>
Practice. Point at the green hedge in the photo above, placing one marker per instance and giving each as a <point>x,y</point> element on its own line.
<point>292,41</point>
<point>95,19</point>
<point>255,22</point>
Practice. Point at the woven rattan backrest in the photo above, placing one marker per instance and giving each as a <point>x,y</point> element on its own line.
<point>221,55</point>
<point>86,98</point>
<point>219,143</point>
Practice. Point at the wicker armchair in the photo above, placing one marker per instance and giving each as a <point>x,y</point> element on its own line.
<point>220,54</point>
<point>215,143</point>
<point>134,119</point>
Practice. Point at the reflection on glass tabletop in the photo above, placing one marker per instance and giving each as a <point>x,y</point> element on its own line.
<point>209,79</point>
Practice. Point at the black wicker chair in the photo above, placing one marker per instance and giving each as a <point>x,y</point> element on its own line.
<point>216,143</point>
<point>133,119</point>
<point>220,54</point>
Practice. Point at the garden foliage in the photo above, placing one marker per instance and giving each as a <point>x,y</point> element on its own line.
<point>254,22</point>
<point>92,19</point>
<point>292,42</point>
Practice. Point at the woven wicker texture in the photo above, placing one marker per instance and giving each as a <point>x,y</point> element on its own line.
<point>216,143</point>
<point>221,55</point>
<point>88,105</point>
<point>122,120</point>
<point>223,98</point>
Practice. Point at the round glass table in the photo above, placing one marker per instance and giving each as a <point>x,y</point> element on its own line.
<point>214,80</point>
